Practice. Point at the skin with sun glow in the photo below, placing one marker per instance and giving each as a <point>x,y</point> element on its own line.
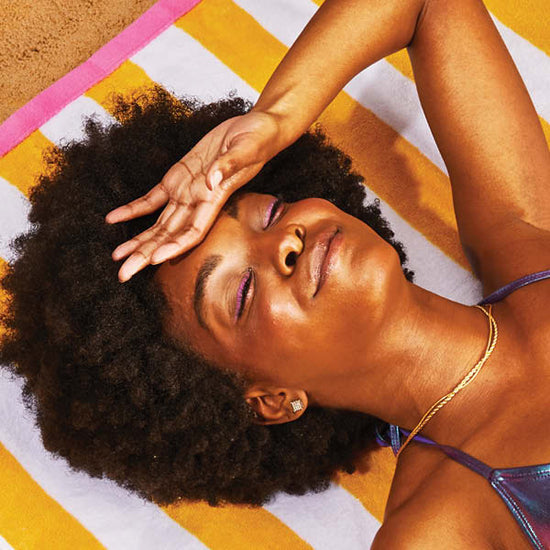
<point>274,210</point>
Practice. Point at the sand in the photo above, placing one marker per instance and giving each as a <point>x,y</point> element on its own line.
<point>41,40</point>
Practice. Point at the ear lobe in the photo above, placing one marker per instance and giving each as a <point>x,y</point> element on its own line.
<point>276,405</point>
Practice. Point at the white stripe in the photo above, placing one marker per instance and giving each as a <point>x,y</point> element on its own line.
<point>118,519</point>
<point>68,124</point>
<point>284,19</point>
<point>4,544</point>
<point>328,520</point>
<point>14,210</point>
<point>182,65</point>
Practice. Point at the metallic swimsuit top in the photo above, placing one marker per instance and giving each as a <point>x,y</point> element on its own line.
<point>525,490</point>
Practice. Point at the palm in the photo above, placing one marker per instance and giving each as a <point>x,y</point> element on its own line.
<point>237,148</point>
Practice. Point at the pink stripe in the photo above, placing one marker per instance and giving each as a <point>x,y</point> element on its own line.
<point>102,63</point>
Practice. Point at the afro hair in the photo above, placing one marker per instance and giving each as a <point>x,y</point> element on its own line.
<point>112,393</point>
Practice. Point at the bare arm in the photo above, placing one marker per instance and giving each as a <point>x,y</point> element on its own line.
<point>474,99</point>
<point>343,38</point>
<point>476,104</point>
<point>490,137</point>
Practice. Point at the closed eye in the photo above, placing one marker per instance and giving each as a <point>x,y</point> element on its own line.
<point>273,209</point>
<point>242,293</point>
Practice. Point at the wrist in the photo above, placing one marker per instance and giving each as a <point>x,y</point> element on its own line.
<point>285,118</point>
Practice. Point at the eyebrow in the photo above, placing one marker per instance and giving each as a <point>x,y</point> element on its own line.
<point>231,207</point>
<point>205,271</point>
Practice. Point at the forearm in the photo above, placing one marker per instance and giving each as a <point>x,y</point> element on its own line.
<point>343,38</point>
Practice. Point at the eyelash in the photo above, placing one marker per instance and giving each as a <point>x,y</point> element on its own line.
<point>242,293</point>
<point>272,211</point>
<point>246,280</point>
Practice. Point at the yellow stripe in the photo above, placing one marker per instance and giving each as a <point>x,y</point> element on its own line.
<point>393,168</point>
<point>24,162</point>
<point>528,18</point>
<point>401,61</point>
<point>546,129</point>
<point>235,527</point>
<point>127,80</point>
<point>29,518</point>
<point>371,482</point>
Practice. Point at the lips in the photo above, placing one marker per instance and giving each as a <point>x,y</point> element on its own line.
<point>323,256</point>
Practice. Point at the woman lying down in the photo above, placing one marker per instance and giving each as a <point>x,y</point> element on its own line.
<point>277,333</point>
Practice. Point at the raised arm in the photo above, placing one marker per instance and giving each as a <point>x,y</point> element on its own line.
<point>490,137</point>
<point>476,104</point>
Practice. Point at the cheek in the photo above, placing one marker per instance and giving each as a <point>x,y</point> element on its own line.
<point>274,340</point>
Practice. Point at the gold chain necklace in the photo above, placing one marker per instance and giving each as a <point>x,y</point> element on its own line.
<point>440,403</point>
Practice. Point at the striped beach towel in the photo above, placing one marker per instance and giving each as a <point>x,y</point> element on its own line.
<point>206,49</point>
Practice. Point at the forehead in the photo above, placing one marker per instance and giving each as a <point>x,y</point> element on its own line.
<point>178,277</point>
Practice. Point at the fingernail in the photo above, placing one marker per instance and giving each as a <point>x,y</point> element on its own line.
<point>217,177</point>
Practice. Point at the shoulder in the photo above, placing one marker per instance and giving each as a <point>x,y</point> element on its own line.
<point>426,528</point>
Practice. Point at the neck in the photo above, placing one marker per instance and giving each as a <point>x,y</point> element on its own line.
<point>432,344</point>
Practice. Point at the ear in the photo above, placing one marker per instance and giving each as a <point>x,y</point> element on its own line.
<point>275,405</point>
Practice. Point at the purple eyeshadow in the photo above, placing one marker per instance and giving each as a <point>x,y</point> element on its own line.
<point>241,293</point>
<point>269,212</point>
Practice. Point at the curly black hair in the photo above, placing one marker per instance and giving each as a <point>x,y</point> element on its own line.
<point>111,391</point>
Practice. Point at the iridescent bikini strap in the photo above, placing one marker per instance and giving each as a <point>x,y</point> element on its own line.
<point>393,434</point>
<point>514,285</point>
<point>457,455</point>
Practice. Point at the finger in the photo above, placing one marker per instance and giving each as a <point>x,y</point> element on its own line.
<point>131,266</point>
<point>147,204</point>
<point>165,252</point>
<point>133,244</point>
<point>167,246</point>
<point>125,249</point>
<point>128,247</point>
<point>214,179</point>
<point>187,239</point>
<point>141,257</point>
<point>191,235</point>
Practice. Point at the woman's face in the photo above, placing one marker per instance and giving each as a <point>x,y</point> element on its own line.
<point>284,293</point>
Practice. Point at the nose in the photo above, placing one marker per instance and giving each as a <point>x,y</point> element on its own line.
<point>289,247</point>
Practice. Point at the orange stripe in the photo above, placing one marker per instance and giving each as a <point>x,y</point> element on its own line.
<point>24,162</point>
<point>30,518</point>
<point>235,527</point>
<point>393,168</point>
<point>401,61</point>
